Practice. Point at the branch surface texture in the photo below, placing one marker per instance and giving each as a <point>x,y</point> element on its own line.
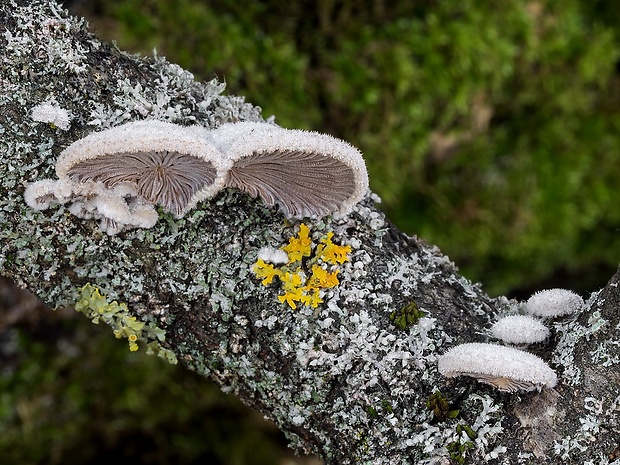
<point>352,378</point>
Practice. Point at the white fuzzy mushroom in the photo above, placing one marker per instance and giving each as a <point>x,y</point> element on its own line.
<point>40,195</point>
<point>306,174</point>
<point>167,164</point>
<point>552,303</point>
<point>118,208</point>
<point>505,368</point>
<point>520,330</point>
<point>271,255</point>
<point>53,114</point>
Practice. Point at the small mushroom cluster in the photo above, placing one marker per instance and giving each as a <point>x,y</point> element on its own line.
<point>119,175</point>
<point>510,369</point>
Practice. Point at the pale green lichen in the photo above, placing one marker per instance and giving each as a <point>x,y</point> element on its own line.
<point>570,334</point>
<point>96,307</point>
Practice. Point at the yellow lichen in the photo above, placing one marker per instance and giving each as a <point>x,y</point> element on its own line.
<point>300,246</point>
<point>266,271</point>
<point>133,346</point>
<point>291,296</point>
<point>332,253</point>
<point>305,274</point>
<point>312,297</point>
<point>322,278</point>
<point>97,307</point>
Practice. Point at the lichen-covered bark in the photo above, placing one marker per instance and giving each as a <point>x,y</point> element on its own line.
<point>341,379</point>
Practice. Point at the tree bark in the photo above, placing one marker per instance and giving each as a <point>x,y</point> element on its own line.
<point>341,380</point>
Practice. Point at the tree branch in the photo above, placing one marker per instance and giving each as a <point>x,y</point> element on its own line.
<point>341,380</point>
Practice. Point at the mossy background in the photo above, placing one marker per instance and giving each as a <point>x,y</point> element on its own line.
<point>491,130</point>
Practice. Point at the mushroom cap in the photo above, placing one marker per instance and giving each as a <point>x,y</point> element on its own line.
<point>48,113</point>
<point>111,206</point>
<point>167,164</point>
<point>520,329</point>
<point>271,255</point>
<point>306,173</point>
<point>553,303</point>
<point>506,368</point>
<point>39,195</point>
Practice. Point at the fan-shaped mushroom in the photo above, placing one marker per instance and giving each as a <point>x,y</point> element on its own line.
<point>552,303</point>
<point>505,368</point>
<point>520,330</point>
<point>167,164</point>
<point>306,173</point>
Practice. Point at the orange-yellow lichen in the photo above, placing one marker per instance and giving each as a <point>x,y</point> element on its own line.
<point>303,279</point>
<point>291,296</point>
<point>312,297</point>
<point>266,271</point>
<point>332,253</point>
<point>300,246</point>
<point>323,278</point>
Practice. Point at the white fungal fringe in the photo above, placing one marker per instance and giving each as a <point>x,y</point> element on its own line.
<point>40,194</point>
<point>118,208</point>
<point>271,255</point>
<point>53,114</point>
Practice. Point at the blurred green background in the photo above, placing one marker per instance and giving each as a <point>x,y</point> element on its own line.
<point>489,129</point>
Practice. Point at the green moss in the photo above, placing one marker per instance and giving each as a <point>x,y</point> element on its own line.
<point>457,450</point>
<point>405,317</point>
<point>387,406</point>
<point>95,306</point>
<point>464,443</point>
<point>462,427</point>
<point>441,408</point>
<point>372,412</point>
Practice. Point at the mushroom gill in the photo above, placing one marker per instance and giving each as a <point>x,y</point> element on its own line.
<point>169,179</point>
<point>165,164</point>
<point>306,174</point>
